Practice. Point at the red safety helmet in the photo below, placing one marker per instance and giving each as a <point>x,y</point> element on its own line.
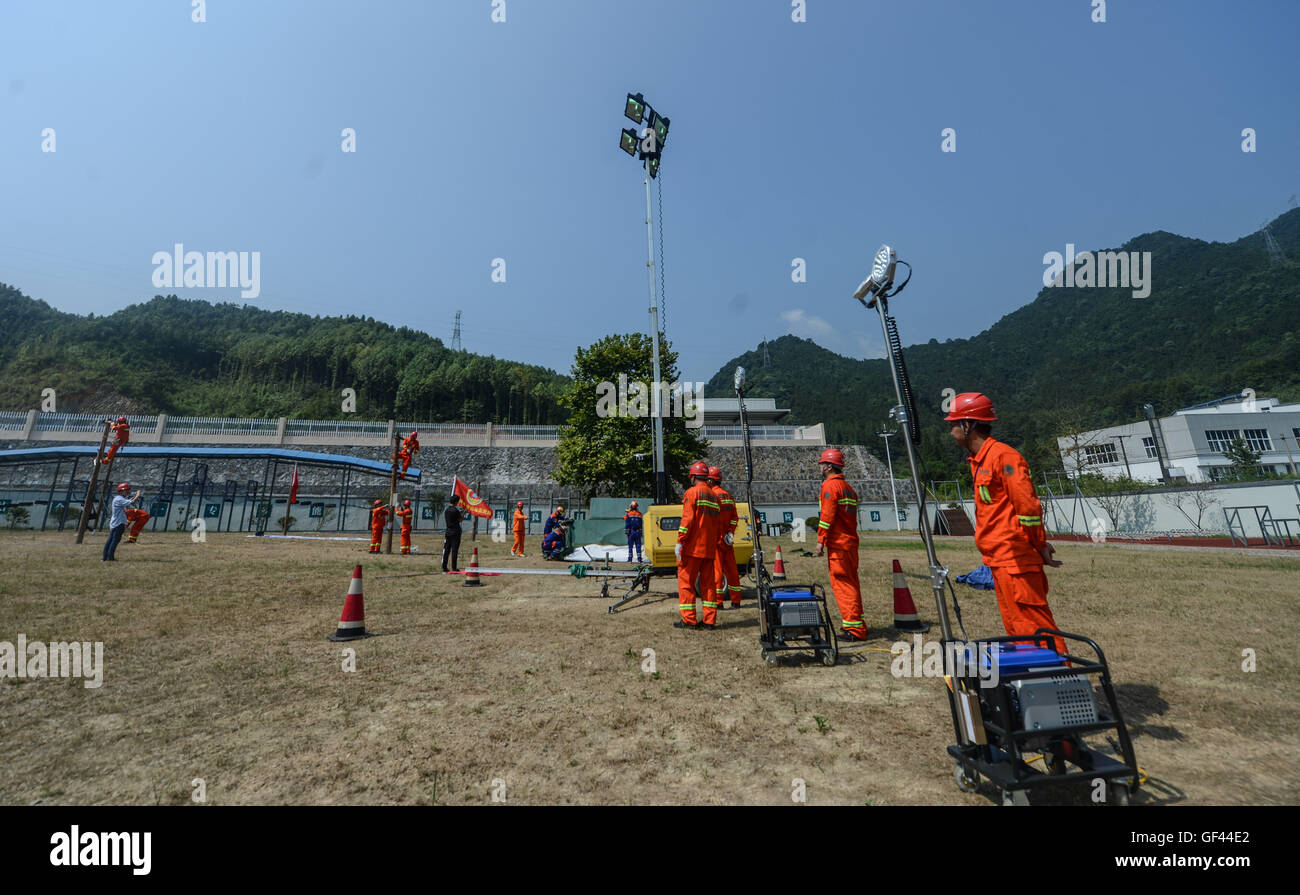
<point>715,473</point>
<point>832,455</point>
<point>125,486</point>
<point>406,503</point>
<point>632,505</point>
<point>699,468</point>
<point>971,406</point>
<point>121,419</point>
<point>379,503</point>
<point>519,504</point>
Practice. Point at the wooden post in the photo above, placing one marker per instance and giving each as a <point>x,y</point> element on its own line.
<point>392,494</point>
<point>90,489</point>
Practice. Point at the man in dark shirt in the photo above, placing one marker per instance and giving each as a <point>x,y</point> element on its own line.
<point>451,546</point>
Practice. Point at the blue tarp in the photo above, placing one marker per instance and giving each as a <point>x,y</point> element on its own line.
<point>981,578</point>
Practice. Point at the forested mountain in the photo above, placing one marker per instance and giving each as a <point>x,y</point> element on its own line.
<point>194,358</point>
<point>1221,317</point>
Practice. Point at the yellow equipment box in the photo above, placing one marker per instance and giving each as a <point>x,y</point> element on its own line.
<point>661,524</point>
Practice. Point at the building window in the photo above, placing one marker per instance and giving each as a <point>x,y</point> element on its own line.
<point>1150,444</point>
<point>1258,440</point>
<point>1217,473</point>
<point>1219,439</point>
<point>1101,453</point>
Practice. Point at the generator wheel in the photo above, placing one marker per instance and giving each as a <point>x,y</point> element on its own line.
<point>1119,793</point>
<point>769,657</point>
<point>966,782</point>
<point>1014,797</point>
<point>829,657</point>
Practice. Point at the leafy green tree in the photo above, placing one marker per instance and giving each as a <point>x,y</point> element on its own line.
<point>606,448</point>
<point>1243,462</point>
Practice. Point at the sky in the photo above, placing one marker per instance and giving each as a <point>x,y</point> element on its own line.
<point>477,140</point>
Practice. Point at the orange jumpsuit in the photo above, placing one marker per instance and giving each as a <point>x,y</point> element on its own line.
<point>410,447</point>
<point>138,519</point>
<point>1009,533</point>
<point>378,519</point>
<point>837,529</point>
<point>121,435</point>
<point>404,520</point>
<point>519,520</point>
<point>698,536</point>
<point>726,575</point>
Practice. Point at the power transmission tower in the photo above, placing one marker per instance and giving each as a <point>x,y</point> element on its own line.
<point>455,336</point>
<point>1275,255</point>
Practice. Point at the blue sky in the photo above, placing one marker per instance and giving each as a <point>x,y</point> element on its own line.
<point>478,140</point>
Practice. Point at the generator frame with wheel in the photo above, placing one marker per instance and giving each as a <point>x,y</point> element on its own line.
<point>796,617</point>
<point>1048,709</point>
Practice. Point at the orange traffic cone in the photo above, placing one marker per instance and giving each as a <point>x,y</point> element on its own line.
<point>778,567</point>
<point>352,623</point>
<point>471,574</point>
<point>905,616</point>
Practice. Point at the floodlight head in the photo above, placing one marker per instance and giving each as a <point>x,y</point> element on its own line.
<point>629,142</point>
<point>652,165</point>
<point>660,126</point>
<point>882,269</point>
<point>740,379</point>
<point>635,107</point>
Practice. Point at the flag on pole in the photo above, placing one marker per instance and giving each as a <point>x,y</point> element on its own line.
<point>476,505</point>
<point>293,489</point>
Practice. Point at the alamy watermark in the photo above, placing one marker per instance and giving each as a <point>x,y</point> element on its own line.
<point>1101,270</point>
<point>633,398</point>
<point>179,269</point>
<point>37,659</point>
<point>926,659</point>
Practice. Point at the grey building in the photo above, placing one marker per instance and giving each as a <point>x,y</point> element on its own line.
<point>1193,440</point>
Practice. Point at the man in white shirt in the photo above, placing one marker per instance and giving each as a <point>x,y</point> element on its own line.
<point>117,523</point>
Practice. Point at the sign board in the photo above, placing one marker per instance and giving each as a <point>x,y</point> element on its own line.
<point>762,516</point>
<point>212,511</point>
<point>159,508</point>
<point>535,516</point>
<point>902,515</point>
<point>875,515</point>
<point>316,509</point>
<point>427,513</point>
<point>787,516</point>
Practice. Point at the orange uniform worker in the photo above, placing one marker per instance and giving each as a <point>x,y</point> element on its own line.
<point>121,435</point>
<point>520,520</point>
<point>138,519</point>
<point>837,537</point>
<point>378,519</point>
<point>1008,518</point>
<point>697,545</point>
<point>404,520</point>
<point>634,529</point>
<point>725,574</point>
<point>410,447</point>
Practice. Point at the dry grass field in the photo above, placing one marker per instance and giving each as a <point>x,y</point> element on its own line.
<point>216,666</point>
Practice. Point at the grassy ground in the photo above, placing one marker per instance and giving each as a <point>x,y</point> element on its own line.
<point>217,667</point>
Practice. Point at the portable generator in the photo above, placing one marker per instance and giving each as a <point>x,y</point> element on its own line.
<point>1009,698</point>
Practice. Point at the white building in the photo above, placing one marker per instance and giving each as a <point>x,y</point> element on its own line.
<point>1192,440</point>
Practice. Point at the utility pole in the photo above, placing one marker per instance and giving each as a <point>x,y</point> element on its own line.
<point>892,490</point>
<point>392,493</point>
<point>90,489</point>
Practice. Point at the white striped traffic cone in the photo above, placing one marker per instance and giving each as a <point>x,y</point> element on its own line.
<point>471,574</point>
<point>905,615</point>
<point>352,623</point>
<point>778,567</point>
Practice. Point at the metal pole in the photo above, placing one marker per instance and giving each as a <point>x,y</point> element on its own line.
<point>1127,471</point>
<point>392,495</point>
<point>892,490</point>
<point>656,387</point>
<point>938,574</point>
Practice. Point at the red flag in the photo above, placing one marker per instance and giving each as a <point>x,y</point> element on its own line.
<point>476,505</point>
<point>293,489</point>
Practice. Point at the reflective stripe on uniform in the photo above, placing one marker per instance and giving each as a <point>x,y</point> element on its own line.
<point>854,624</point>
<point>682,530</point>
<point>705,503</point>
<point>984,493</point>
<point>847,501</point>
<point>1030,520</point>
<point>821,524</point>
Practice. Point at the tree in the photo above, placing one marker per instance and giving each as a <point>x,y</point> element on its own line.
<point>1198,499</point>
<point>1243,462</point>
<point>606,446</point>
<point>1112,495</point>
<point>18,517</point>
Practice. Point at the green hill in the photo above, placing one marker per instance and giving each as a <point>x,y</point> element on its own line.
<point>1220,317</point>
<point>194,358</point>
